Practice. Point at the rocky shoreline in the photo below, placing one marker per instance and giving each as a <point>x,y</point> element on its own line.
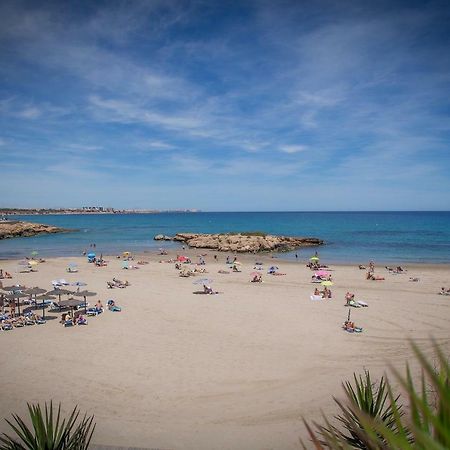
<point>12,229</point>
<point>242,242</point>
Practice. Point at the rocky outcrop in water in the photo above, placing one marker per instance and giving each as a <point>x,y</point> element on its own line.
<point>243,242</point>
<point>12,229</point>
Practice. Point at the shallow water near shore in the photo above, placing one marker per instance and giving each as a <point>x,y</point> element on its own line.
<point>351,237</point>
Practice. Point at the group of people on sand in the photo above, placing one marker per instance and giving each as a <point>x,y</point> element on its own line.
<point>71,318</point>
<point>326,293</point>
<point>371,273</point>
<point>444,291</point>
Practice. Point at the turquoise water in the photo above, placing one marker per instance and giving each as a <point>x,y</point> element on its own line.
<point>403,237</point>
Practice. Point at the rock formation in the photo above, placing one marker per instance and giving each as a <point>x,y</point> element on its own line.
<point>243,242</point>
<point>12,229</point>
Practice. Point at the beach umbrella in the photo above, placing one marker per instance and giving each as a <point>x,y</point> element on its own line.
<point>85,294</point>
<point>33,263</point>
<point>203,281</point>
<point>43,298</point>
<point>59,292</point>
<point>327,283</point>
<point>14,288</point>
<point>24,262</point>
<point>70,303</point>
<point>34,291</point>
<point>72,264</point>
<point>314,258</point>
<point>181,258</point>
<point>255,274</point>
<point>237,263</point>
<point>273,268</point>
<point>14,296</point>
<point>34,253</point>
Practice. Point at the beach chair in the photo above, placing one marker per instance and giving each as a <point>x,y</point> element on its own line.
<point>92,312</point>
<point>6,326</point>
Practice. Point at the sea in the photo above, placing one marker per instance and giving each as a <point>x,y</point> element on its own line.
<point>350,237</point>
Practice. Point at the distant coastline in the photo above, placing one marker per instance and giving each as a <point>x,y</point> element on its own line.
<point>86,210</point>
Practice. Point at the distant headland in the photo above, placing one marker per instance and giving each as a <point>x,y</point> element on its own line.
<point>87,210</point>
<point>15,228</point>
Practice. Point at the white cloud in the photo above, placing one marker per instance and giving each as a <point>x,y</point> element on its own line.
<point>291,149</point>
<point>30,112</point>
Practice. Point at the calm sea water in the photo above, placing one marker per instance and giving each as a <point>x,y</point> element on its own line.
<point>421,237</point>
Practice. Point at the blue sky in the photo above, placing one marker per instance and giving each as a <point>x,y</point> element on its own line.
<point>225,105</point>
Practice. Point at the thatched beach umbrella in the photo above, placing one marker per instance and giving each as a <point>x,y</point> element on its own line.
<point>14,288</point>
<point>14,296</point>
<point>59,292</point>
<point>70,303</point>
<point>44,297</point>
<point>34,291</point>
<point>85,294</point>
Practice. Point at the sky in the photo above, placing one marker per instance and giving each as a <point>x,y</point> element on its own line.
<point>225,105</point>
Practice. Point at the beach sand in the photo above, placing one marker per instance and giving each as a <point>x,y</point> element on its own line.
<point>237,370</point>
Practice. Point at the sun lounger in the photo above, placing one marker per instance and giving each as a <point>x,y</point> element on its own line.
<point>6,326</point>
<point>93,312</point>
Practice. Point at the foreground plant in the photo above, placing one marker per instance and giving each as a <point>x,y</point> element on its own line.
<point>49,431</point>
<point>373,419</point>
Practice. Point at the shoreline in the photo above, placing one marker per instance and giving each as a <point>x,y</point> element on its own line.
<point>247,256</point>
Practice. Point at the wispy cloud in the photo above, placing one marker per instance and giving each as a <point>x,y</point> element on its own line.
<point>354,91</point>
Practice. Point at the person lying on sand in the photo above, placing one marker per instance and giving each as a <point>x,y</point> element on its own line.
<point>371,276</point>
<point>351,327</point>
<point>208,290</point>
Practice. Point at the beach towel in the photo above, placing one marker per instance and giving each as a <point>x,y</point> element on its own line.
<point>316,297</point>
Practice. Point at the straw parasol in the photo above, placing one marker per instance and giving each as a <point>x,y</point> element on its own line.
<point>44,297</point>
<point>327,283</point>
<point>14,296</point>
<point>59,292</point>
<point>85,294</point>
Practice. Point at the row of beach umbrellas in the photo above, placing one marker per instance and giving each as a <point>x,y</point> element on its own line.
<point>36,293</point>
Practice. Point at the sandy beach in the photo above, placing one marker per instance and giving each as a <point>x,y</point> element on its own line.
<point>237,370</point>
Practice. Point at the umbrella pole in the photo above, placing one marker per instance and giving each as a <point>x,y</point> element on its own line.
<point>348,317</point>
<point>85,311</point>
<point>18,305</point>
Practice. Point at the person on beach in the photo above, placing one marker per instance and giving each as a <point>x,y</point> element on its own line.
<point>316,291</point>
<point>207,289</point>
<point>349,297</point>
<point>99,306</point>
<point>371,267</point>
